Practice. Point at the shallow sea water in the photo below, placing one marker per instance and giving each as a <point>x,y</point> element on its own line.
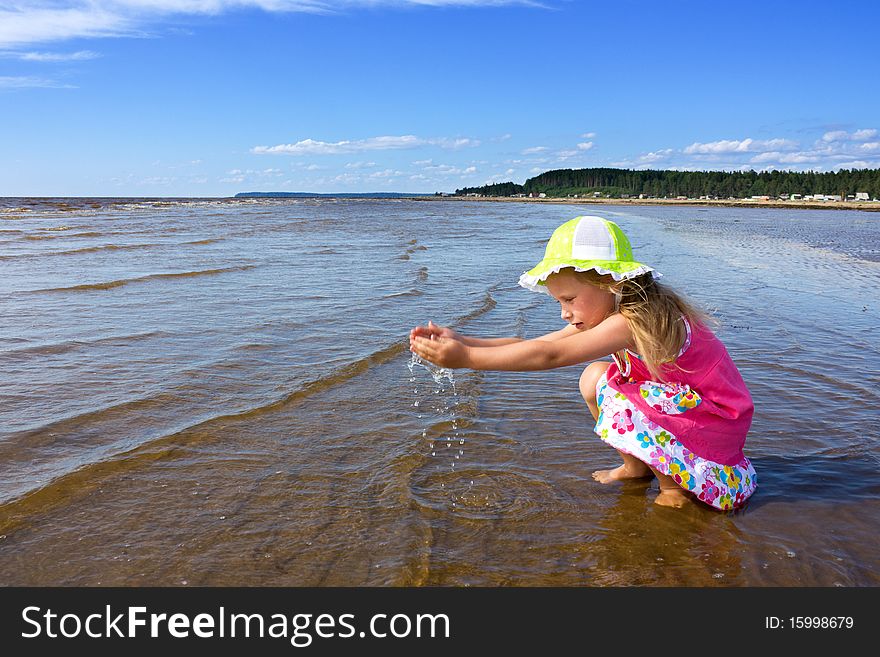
<point>219,392</point>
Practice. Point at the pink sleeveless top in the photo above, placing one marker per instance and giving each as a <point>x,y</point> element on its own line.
<point>716,427</point>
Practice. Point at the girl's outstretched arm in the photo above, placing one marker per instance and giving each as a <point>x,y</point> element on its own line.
<point>436,331</point>
<point>611,335</point>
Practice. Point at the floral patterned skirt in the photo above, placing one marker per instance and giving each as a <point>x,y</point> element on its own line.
<point>626,428</point>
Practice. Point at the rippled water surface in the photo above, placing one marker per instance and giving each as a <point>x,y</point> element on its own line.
<point>219,392</point>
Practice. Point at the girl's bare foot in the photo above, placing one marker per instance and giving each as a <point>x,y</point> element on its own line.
<point>675,497</point>
<point>636,470</point>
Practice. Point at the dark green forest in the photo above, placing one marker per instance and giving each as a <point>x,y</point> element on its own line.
<point>617,183</point>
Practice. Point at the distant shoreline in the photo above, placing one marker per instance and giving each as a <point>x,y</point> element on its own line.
<point>737,203</point>
<point>12,205</point>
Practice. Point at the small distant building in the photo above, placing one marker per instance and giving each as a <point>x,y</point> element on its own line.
<point>862,196</point>
<point>760,198</point>
<point>796,197</point>
<point>597,194</point>
<point>833,197</point>
<point>542,195</point>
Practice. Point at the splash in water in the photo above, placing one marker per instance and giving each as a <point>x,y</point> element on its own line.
<point>440,411</point>
<point>437,373</point>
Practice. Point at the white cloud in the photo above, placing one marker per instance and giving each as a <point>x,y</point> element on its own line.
<point>80,55</point>
<point>535,149</point>
<point>784,158</point>
<point>588,135</point>
<point>447,169</point>
<point>454,144</point>
<point>870,146</point>
<point>656,156</point>
<point>387,173</point>
<point>28,82</point>
<point>835,135</point>
<point>841,135</point>
<point>24,23</point>
<point>585,146</point>
<point>357,165</point>
<point>747,145</point>
<point>315,147</point>
<point>864,135</point>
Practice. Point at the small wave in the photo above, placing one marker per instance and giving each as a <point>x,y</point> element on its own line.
<point>71,345</point>
<point>488,304</point>
<point>62,234</point>
<point>86,249</point>
<point>88,287</point>
<point>408,293</point>
<point>206,241</point>
<point>18,509</point>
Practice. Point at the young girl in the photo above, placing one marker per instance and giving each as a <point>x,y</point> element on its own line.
<point>672,402</point>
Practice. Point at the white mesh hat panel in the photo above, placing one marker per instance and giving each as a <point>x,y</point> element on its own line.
<point>593,241</point>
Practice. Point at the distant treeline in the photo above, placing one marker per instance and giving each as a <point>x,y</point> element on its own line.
<point>659,183</point>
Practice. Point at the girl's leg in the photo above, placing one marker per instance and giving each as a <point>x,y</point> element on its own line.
<point>632,467</point>
<point>671,494</point>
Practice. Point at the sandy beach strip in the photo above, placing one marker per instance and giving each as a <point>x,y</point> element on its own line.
<point>867,206</point>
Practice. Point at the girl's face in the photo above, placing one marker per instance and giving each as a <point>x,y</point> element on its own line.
<point>583,305</point>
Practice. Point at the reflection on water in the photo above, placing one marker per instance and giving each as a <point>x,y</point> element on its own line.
<point>219,392</point>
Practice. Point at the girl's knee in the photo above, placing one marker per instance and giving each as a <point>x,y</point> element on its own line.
<point>590,377</point>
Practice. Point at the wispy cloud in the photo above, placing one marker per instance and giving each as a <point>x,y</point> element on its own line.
<point>385,143</point>
<point>79,56</point>
<point>43,21</point>
<point>28,82</point>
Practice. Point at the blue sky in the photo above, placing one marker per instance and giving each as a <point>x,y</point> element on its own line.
<point>214,97</point>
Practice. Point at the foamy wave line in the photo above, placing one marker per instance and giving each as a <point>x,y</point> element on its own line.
<point>87,287</point>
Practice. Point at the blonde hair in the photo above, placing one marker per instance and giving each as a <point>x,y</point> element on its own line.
<point>653,312</point>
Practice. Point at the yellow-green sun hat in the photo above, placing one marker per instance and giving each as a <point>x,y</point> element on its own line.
<point>586,243</point>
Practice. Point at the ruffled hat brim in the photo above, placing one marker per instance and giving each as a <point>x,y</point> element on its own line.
<point>535,278</point>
